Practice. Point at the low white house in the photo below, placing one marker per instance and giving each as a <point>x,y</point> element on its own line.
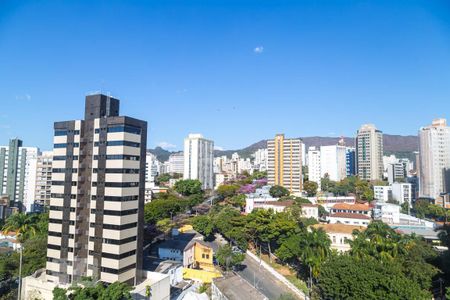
<point>349,219</point>
<point>308,210</point>
<point>339,234</point>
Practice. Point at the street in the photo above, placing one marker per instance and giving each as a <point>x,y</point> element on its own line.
<point>258,277</point>
<point>265,282</point>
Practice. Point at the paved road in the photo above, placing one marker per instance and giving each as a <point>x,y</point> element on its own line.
<point>259,277</point>
<point>265,282</point>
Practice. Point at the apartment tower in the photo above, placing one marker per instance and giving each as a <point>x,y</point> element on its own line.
<point>199,160</point>
<point>97,196</point>
<point>434,158</point>
<point>18,174</point>
<point>285,163</point>
<point>44,178</point>
<point>369,153</point>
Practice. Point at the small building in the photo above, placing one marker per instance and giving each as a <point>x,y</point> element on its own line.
<point>233,287</point>
<point>173,269</point>
<point>9,240</point>
<point>155,284</point>
<point>362,209</point>
<point>173,249</point>
<point>349,219</point>
<point>308,210</point>
<point>339,234</point>
<point>199,255</point>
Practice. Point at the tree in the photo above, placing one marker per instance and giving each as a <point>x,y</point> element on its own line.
<point>24,225</point>
<point>88,290</point>
<point>116,291</point>
<point>163,178</point>
<point>164,225</point>
<point>204,225</point>
<point>227,259</point>
<point>59,294</point>
<point>278,191</point>
<point>315,249</point>
<point>188,187</point>
<point>227,190</point>
<point>237,201</point>
<point>311,188</point>
<point>349,277</point>
<point>259,175</point>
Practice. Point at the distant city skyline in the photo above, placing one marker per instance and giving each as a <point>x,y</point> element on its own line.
<point>236,72</point>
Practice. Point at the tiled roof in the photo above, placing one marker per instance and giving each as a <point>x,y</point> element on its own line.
<point>350,216</point>
<point>357,206</point>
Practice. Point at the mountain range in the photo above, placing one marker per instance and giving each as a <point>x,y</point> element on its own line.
<point>401,146</point>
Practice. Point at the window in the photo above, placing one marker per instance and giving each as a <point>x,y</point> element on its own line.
<point>115,256</point>
<point>118,143</point>
<point>120,271</point>
<point>117,156</point>
<point>118,171</point>
<point>115,212</point>
<point>60,132</point>
<point>113,242</point>
<point>117,184</point>
<point>125,128</point>
<point>115,227</point>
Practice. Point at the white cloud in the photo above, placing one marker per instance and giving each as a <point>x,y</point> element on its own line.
<point>166,145</point>
<point>218,148</point>
<point>258,50</point>
<point>25,97</point>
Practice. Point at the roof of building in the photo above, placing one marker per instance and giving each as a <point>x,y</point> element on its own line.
<point>339,228</point>
<point>356,206</point>
<point>350,216</point>
<point>179,242</point>
<point>236,288</point>
<point>308,205</point>
<point>166,266</point>
<point>281,203</point>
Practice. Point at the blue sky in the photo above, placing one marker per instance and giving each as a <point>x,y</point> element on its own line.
<point>236,71</point>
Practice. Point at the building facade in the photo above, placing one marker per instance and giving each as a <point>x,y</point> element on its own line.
<point>18,174</point>
<point>199,160</point>
<point>314,166</point>
<point>44,178</point>
<point>369,153</point>
<point>176,163</point>
<point>350,161</point>
<point>434,158</point>
<point>97,196</point>
<point>285,163</point>
<point>333,162</point>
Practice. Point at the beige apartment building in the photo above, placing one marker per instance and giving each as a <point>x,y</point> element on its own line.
<point>285,163</point>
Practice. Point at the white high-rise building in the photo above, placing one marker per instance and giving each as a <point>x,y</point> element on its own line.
<point>176,163</point>
<point>260,161</point>
<point>434,157</point>
<point>198,160</point>
<point>333,162</point>
<point>369,153</point>
<point>314,165</point>
<point>402,192</point>
<point>44,178</point>
<point>18,173</point>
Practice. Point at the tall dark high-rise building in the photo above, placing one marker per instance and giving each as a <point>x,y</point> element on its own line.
<point>97,196</point>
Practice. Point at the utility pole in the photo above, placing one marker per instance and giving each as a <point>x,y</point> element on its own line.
<point>19,296</point>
